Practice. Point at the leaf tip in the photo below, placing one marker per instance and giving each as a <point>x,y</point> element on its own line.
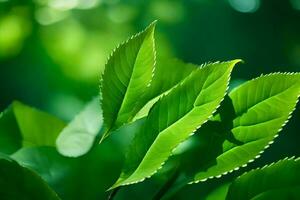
<point>151,26</point>
<point>236,61</point>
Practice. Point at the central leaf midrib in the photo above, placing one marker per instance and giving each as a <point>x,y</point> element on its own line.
<point>175,122</point>
<point>130,79</point>
<point>264,100</point>
<point>225,152</point>
<point>255,124</point>
<point>252,141</point>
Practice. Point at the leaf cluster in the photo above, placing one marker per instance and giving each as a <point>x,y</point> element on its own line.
<point>186,128</point>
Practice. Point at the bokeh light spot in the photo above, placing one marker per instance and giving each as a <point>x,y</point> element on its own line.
<point>295,4</point>
<point>121,13</point>
<point>87,4</point>
<point>13,30</point>
<point>170,12</point>
<point>245,6</point>
<point>47,15</point>
<point>63,4</point>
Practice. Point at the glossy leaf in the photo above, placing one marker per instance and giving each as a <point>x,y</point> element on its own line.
<point>173,119</point>
<point>127,74</point>
<point>17,182</point>
<point>248,121</point>
<point>78,137</point>
<point>277,181</point>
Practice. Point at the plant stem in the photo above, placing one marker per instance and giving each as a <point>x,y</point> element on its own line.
<point>167,186</point>
<point>113,193</point>
<point>104,135</point>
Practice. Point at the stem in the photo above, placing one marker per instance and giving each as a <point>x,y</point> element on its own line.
<point>113,193</point>
<point>167,186</point>
<point>104,135</point>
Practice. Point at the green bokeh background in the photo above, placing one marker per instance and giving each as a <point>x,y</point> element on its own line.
<point>52,52</point>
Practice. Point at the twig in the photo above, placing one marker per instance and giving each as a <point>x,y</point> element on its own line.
<point>113,193</point>
<point>167,186</point>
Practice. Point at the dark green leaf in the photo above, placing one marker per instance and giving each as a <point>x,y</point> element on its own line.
<point>10,136</point>
<point>85,177</point>
<point>17,182</point>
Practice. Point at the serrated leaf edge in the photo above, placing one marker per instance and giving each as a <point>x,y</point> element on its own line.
<point>111,55</point>
<point>271,164</point>
<point>270,142</point>
<point>178,85</point>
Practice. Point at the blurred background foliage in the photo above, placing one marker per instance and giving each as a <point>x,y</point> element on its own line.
<point>52,52</point>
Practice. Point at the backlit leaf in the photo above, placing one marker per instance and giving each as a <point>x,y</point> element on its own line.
<point>127,75</point>
<point>247,123</point>
<point>168,73</point>
<point>173,119</point>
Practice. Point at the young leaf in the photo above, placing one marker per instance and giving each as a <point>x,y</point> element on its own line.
<point>160,85</point>
<point>279,180</point>
<point>249,121</point>
<point>37,128</point>
<point>17,182</point>
<point>127,75</point>
<point>77,138</point>
<point>173,119</point>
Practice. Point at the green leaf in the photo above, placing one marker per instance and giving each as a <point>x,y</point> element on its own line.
<point>126,77</point>
<point>21,125</point>
<point>279,180</point>
<point>85,177</point>
<point>247,123</point>
<point>37,128</point>
<point>173,119</point>
<point>160,85</point>
<point>78,137</point>
<point>10,136</point>
<point>17,182</point>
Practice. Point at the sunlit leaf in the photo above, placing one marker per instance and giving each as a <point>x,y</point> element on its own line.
<point>17,182</point>
<point>78,137</point>
<point>277,181</point>
<point>247,123</point>
<point>127,74</point>
<point>173,119</point>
